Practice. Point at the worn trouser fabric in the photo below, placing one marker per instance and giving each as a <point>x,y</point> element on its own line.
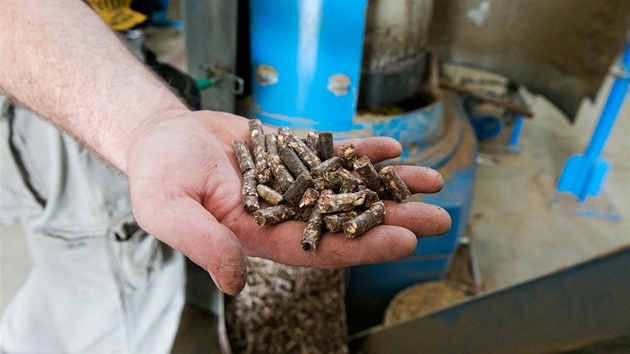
<point>98,284</point>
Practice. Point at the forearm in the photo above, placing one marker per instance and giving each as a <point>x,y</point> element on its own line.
<point>60,60</point>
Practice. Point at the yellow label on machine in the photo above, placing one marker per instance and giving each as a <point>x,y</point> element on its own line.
<point>117,13</point>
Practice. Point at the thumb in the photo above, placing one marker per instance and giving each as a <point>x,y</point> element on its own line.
<point>192,230</point>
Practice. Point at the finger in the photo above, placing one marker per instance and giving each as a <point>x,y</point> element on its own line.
<point>192,230</point>
<point>375,148</point>
<point>420,179</point>
<point>420,218</point>
<point>281,243</point>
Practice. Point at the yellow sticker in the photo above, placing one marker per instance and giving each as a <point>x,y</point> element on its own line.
<point>117,13</point>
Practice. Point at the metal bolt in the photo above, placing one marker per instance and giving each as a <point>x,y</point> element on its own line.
<point>266,75</point>
<point>338,84</point>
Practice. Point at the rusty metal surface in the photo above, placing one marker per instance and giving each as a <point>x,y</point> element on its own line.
<point>561,49</point>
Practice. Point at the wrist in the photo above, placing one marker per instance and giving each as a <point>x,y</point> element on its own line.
<point>146,123</point>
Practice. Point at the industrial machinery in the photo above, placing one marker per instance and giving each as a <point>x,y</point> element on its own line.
<point>363,68</point>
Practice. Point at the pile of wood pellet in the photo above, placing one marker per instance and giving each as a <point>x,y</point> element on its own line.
<point>302,179</point>
<point>286,309</point>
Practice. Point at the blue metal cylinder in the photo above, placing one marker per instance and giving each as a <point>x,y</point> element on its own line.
<point>306,58</point>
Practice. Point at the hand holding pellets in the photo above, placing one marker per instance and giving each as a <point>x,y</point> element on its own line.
<point>322,191</point>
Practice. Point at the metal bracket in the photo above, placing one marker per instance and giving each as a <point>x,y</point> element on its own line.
<point>221,79</point>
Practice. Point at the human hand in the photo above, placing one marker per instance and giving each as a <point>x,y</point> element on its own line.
<point>185,190</point>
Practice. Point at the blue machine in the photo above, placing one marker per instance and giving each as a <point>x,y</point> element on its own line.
<point>307,63</point>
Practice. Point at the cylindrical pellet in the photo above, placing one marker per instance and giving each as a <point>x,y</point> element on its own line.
<point>292,162</point>
<point>309,198</point>
<point>349,185</point>
<point>348,156</point>
<point>315,226</point>
<point>332,164</point>
<point>282,176</point>
<point>303,151</point>
<point>335,203</point>
<point>283,137</point>
<point>312,232</point>
<point>274,214</point>
<point>394,184</point>
<point>249,192</point>
<point>334,222</point>
<point>294,194</point>
<point>325,149</point>
<point>243,157</point>
<point>365,221</point>
<point>269,195</point>
<point>312,141</point>
<point>257,137</point>
<point>370,177</point>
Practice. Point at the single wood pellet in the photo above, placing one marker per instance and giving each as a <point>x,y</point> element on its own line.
<point>348,155</point>
<point>257,136</point>
<point>294,194</point>
<point>334,222</point>
<point>269,194</point>
<point>312,141</point>
<point>394,184</point>
<point>249,192</point>
<point>292,161</point>
<point>370,177</point>
<point>325,149</point>
<point>275,214</point>
<point>365,221</point>
<point>303,151</point>
<point>282,177</point>
<point>243,157</point>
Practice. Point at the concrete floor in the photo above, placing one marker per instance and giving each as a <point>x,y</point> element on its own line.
<point>516,236</point>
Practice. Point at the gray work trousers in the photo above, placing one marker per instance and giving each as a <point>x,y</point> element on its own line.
<point>98,284</point>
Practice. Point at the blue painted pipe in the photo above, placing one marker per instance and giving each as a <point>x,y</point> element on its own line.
<point>584,175</point>
<point>611,109</point>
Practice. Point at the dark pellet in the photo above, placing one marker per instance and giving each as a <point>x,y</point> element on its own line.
<point>325,147</point>
<point>309,198</point>
<point>394,184</point>
<point>333,180</point>
<point>292,162</point>
<point>320,184</point>
<point>250,195</point>
<point>349,185</point>
<point>303,214</point>
<point>244,159</point>
<point>312,232</point>
<point>283,137</point>
<point>332,164</point>
<point>294,194</point>
<point>335,203</point>
<point>303,151</point>
<point>348,156</point>
<point>312,141</point>
<point>274,214</point>
<point>282,176</point>
<point>259,148</point>
<point>365,221</point>
<point>315,226</point>
<point>370,177</point>
<point>334,222</point>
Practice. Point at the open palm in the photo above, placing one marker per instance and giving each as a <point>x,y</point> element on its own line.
<point>185,190</point>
